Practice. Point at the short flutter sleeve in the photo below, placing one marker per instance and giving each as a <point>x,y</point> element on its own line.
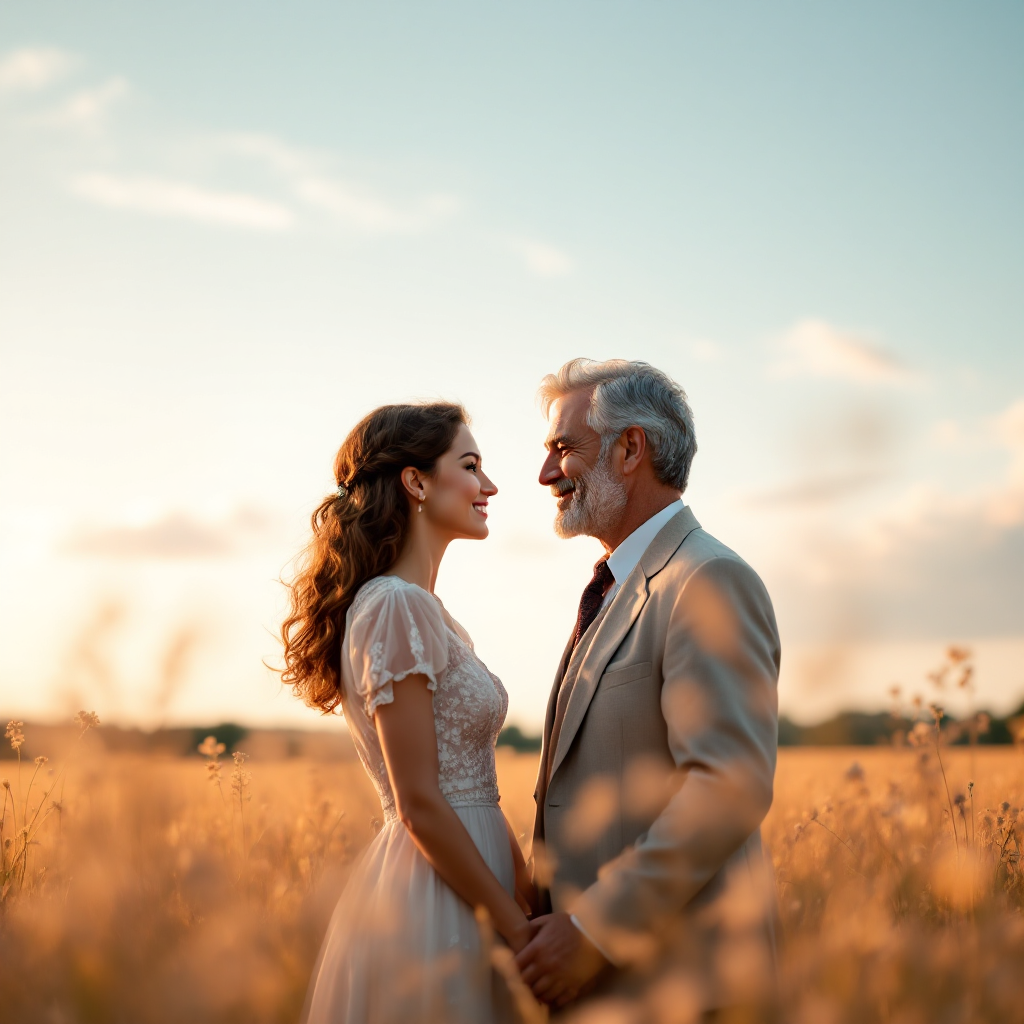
<point>395,633</point>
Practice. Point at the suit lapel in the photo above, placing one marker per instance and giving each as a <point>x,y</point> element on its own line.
<point>611,631</point>
<point>549,717</point>
<point>621,614</point>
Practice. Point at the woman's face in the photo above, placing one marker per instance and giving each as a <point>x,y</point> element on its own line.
<point>457,493</point>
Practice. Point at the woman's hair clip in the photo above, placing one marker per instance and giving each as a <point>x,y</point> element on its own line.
<point>342,491</point>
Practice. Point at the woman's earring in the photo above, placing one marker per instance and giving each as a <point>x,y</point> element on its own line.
<point>422,496</point>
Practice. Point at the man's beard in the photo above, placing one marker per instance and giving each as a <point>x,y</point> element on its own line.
<point>597,503</point>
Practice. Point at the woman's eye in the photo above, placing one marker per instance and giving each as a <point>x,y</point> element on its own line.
<point>473,466</point>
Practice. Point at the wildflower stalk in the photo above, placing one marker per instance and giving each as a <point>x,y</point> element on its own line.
<point>3,821</point>
<point>39,762</point>
<point>240,780</point>
<point>86,720</point>
<point>970,792</point>
<point>211,750</point>
<point>937,715</point>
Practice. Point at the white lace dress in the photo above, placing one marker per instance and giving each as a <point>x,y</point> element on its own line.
<point>402,947</point>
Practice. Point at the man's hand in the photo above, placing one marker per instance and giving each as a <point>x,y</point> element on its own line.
<point>559,961</point>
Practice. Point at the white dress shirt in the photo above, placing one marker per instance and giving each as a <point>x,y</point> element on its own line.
<point>621,562</point>
<point>625,558</point>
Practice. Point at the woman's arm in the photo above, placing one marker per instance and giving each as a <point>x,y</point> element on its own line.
<point>409,742</point>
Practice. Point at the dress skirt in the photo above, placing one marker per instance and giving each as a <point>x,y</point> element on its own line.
<point>402,947</point>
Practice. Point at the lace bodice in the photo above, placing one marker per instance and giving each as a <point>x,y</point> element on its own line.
<point>395,629</point>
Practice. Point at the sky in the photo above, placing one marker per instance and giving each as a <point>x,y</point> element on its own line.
<point>228,231</point>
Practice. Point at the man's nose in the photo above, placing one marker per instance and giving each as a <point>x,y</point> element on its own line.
<point>551,470</point>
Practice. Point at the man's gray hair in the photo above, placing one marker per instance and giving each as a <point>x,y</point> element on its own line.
<point>628,393</point>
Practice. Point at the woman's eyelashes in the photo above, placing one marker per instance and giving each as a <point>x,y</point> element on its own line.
<point>473,467</point>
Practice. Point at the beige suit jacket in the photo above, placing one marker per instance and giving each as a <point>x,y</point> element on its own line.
<point>647,827</point>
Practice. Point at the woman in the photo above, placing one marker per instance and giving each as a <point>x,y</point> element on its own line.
<point>367,633</point>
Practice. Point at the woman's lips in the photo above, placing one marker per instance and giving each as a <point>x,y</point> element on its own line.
<point>481,507</point>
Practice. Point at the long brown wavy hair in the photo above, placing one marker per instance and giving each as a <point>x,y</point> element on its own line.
<point>358,533</point>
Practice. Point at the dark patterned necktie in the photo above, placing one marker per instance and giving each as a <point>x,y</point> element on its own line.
<point>590,605</point>
<point>593,596</point>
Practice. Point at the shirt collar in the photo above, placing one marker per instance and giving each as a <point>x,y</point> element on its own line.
<point>623,560</point>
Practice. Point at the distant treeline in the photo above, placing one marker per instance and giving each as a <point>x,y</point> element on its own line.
<point>867,729</point>
<point>853,729</point>
<point>848,728</point>
<point>514,737</point>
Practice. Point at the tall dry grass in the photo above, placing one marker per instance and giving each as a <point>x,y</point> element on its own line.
<point>160,890</point>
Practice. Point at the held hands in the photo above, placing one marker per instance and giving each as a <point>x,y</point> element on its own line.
<point>559,962</point>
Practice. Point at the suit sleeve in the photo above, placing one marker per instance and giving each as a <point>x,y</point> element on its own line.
<point>719,700</point>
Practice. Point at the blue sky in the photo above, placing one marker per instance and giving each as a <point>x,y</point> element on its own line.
<point>227,231</point>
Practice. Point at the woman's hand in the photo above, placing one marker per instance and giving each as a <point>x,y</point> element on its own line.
<point>526,891</point>
<point>519,939</point>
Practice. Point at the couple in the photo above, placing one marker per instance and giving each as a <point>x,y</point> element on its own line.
<point>647,884</point>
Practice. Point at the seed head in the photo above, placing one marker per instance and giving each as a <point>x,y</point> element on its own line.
<point>211,748</point>
<point>919,734</point>
<point>240,778</point>
<point>41,760</point>
<point>15,735</point>
<point>87,720</point>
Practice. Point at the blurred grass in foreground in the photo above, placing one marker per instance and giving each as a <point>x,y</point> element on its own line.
<point>162,891</point>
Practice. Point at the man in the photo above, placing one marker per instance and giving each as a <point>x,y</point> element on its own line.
<point>661,732</point>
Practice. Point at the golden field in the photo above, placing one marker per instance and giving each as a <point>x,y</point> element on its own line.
<point>157,890</point>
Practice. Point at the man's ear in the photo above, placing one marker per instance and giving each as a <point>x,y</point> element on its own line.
<point>634,441</point>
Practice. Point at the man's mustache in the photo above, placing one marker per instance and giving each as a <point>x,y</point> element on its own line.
<point>563,486</point>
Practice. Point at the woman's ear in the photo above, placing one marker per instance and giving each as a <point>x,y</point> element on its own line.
<point>412,481</point>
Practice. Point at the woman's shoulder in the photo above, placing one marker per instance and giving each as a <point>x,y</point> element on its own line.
<point>377,593</point>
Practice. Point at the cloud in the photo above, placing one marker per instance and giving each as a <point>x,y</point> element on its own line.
<point>1008,431</point>
<point>309,177</point>
<point>162,198</point>
<point>541,258</point>
<point>814,348</point>
<point>948,435</point>
<point>837,455</point>
<point>89,107</point>
<point>31,70</point>
<point>175,536</point>
<point>816,490</point>
<point>254,181</point>
<point>948,573</point>
<point>359,209</point>
<point>704,350</point>
<point>936,564</point>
